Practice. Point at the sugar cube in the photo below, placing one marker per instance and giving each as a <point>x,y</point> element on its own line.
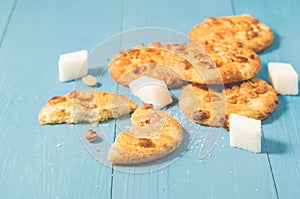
<point>284,78</point>
<point>151,91</point>
<point>73,65</point>
<point>245,133</point>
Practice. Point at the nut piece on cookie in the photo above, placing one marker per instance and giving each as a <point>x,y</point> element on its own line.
<point>284,78</point>
<point>245,133</point>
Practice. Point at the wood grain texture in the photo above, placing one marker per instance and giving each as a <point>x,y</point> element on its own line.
<point>176,15</point>
<point>281,130</point>
<point>51,162</point>
<point>48,161</point>
<point>227,173</point>
<point>6,12</point>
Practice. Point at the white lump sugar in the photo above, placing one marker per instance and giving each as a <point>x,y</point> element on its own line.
<point>151,91</point>
<point>73,65</point>
<point>283,77</point>
<point>245,133</point>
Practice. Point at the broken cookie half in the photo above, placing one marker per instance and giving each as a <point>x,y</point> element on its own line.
<point>85,106</point>
<point>153,135</point>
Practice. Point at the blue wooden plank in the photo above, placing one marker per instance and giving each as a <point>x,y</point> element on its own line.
<point>281,130</point>
<point>282,137</point>
<point>176,15</point>
<point>226,172</point>
<point>48,161</point>
<point>6,12</point>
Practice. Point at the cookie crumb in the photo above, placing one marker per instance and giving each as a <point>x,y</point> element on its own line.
<point>58,145</point>
<point>91,135</point>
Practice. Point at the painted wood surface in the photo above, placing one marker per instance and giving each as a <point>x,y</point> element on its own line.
<point>52,162</point>
<point>6,11</point>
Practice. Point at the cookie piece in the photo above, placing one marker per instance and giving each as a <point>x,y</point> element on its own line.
<point>135,148</point>
<point>85,106</point>
<point>176,64</point>
<point>213,105</point>
<point>239,30</point>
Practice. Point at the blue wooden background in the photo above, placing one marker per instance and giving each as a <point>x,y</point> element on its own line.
<point>51,162</point>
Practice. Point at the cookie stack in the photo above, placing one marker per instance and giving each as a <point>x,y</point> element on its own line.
<point>232,41</point>
<point>216,69</point>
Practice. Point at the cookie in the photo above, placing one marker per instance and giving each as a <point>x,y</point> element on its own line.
<point>132,147</point>
<point>131,64</point>
<point>214,64</point>
<point>212,105</point>
<point>239,30</point>
<point>85,106</point>
<point>176,64</point>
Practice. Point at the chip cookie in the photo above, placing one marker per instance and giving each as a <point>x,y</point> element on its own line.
<point>213,105</point>
<point>134,147</point>
<point>214,64</point>
<point>239,30</point>
<point>176,64</point>
<point>133,63</point>
<point>85,106</point>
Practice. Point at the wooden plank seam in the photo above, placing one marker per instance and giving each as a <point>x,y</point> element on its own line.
<point>8,22</point>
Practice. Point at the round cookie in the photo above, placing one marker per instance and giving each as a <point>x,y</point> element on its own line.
<point>215,64</point>
<point>176,64</point>
<point>213,105</point>
<point>131,64</point>
<point>240,31</point>
<point>234,64</point>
